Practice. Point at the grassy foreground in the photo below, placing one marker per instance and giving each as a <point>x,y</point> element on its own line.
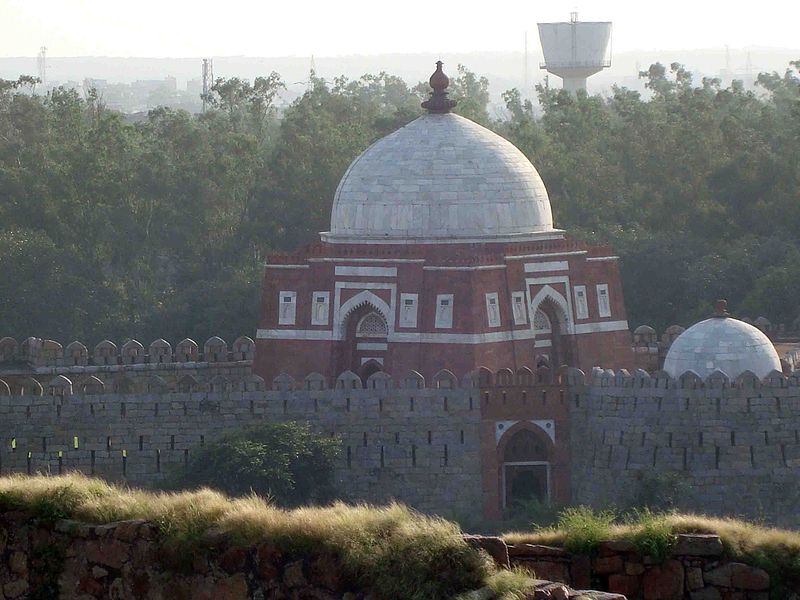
<point>391,551</point>
<point>579,530</point>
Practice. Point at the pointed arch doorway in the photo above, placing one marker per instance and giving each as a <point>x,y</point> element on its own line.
<point>365,341</point>
<point>526,467</point>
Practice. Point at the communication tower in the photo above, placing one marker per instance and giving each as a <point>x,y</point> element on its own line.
<point>208,79</point>
<point>41,65</point>
<point>576,50</point>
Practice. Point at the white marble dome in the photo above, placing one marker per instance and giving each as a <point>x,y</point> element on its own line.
<point>441,178</point>
<point>722,343</point>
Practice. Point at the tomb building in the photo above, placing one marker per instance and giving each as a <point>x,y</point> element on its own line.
<point>441,254</point>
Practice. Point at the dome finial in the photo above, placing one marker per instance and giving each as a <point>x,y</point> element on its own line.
<point>439,102</point>
<point>721,308</point>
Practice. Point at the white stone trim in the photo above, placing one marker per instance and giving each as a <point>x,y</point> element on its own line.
<point>492,316</point>
<point>602,258</point>
<point>440,338</point>
<point>321,316</point>
<point>475,268</point>
<point>408,318</point>
<point>341,311</point>
<point>444,311</point>
<point>546,425</point>
<point>601,327</point>
<point>355,271</point>
<point>372,346</point>
<point>543,344</point>
<point>581,302</point>
<point>603,308</point>
<point>377,359</point>
<point>287,307</point>
<point>553,234</point>
<point>519,308</point>
<point>555,265</point>
<point>269,266</point>
<point>367,260</point>
<point>546,254</point>
<point>562,302</point>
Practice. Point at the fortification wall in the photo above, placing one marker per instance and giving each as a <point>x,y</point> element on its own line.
<point>720,446</point>
<point>414,443</point>
<point>37,367</point>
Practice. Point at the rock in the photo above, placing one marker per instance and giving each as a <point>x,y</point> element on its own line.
<point>108,552</point>
<point>231,588</point>
<point>549,571</point>
<point>627,585</point>
<point>18,563</point>
<point>15,589</point>
<point>634,568</point>
<point>128,531</point>
<point>536,550</point>
<point>708,593</point>
<point>694,579</point>
<point>99,572</point>
<point>580,572</point>
<point>608,564</point>
<point>745,577</point>
<point>616,547</point>
<point>116,590</point>
<point>324,571</point>
<point>90,585</point>
<point>697,545</point>
<point>233,559</point>
<point>738,575</point>
<point>268,561</point>
<point>293,574</point>
<point>493,546</point>
<point>663,582</point>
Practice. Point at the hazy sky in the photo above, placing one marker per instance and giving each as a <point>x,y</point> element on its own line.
<point>177,28</point>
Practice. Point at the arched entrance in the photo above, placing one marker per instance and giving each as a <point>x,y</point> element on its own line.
<point>550,326</point>
<point>365,341</point>
<point>526,466</point>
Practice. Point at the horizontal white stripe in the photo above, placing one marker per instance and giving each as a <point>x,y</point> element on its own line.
<point>371,346</point>
<point>476,268</point>
<point>368,260</point>
<point>602,258</point>
<point>553,234</point>
<point>555,265</point>
<point>542,343</point>
<point>268,266</point>
<point>366,271</point>
<point>441,338</point>
<point>601,327</point>
<point>547,255</point>
<point>294,334</point>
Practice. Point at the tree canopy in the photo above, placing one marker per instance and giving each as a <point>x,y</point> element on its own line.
<point>159,228</point>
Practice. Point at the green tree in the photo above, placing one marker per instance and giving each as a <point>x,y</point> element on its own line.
<point>287,462</point>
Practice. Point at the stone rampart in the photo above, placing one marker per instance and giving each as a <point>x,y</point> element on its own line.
<point>414,443</point>
<point>716,446</point>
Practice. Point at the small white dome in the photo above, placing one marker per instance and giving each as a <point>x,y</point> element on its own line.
<point>441,178</point>
<point>722,343</point>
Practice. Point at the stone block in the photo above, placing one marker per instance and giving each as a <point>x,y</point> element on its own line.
<point>627,585</point>
<point>697,545</point>
<point>663,582</point>
<point>608,564</point>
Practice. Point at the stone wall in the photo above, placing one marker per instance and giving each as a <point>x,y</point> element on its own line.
<point>420,445</point>
<point>695,570</point>
<point>717,446</point>
<point>124,561</point>
<point>36,367</point>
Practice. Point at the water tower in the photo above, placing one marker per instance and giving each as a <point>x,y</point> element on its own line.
<point>575,51</point>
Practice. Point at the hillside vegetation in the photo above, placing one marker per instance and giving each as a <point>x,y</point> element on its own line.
<point>160,228</point>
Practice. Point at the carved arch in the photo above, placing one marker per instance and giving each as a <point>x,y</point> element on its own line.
<point>363,298</point>
<point>560,303</point>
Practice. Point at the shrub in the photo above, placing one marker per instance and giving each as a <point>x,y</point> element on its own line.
<point>651,533</point>
<point>286,462</point>
<point>584,529</point>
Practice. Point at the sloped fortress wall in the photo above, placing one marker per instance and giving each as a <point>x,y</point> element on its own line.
<point>716,446</point>
<point>400,439</point>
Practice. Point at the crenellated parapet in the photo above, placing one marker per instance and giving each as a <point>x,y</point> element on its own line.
<point>44,367</point>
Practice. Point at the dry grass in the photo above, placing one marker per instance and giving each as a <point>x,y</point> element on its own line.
<point>775,550</point>
<point>390,551</point>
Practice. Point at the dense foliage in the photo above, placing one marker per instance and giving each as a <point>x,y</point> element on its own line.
<point>286,462</point>
<point>159,229</point>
